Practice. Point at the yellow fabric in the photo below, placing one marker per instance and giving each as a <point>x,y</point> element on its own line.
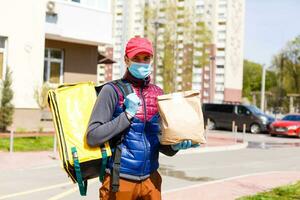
<point>71,106</point>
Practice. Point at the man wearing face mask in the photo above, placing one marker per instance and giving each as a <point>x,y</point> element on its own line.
<point>135,117</point>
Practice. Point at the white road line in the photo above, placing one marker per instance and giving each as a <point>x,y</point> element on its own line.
<point>70,191</point>
<point>35,190</point>
<point>222,180</point>
<point>46,166</point>
<point>62,195</point>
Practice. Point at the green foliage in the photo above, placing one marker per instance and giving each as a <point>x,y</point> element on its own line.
<point>6,107</point>
<point>252,79</point>
<point>28,144</point>
<point>287,64</point>
<point>287,69</point>
<point>168,66</point>
<point>193,32</point>
<point>149,16</point>
<point>290,70</point>
<point>290,192</point>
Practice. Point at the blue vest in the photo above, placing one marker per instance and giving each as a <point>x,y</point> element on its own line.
<point>140,144</point>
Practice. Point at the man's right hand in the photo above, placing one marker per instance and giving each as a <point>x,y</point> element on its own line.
<point>132,103</point>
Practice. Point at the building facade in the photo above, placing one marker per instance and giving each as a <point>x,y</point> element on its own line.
<point>51,42</point>
<point>220,78</point>
<point>225,18</point>
<point>128,21</point>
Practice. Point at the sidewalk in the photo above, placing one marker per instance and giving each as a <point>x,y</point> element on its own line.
<point>232,188</point>
<point>23,160</point>
<point>226,189</point>
<point>26,160</point>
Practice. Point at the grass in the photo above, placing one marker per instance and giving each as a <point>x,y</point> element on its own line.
<point>28,144</point>
<point>289,192</point>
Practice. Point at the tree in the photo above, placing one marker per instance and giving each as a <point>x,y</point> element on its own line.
<point>252,79</point>
<point>287,69</point>
<point>179,22</point>
<point>6,107</point>
<point>291,66</point>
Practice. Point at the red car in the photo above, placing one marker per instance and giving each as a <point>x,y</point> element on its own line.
<point>289,126</point>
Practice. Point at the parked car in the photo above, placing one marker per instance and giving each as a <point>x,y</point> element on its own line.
<point>288,125</point>
<point>222,115</point>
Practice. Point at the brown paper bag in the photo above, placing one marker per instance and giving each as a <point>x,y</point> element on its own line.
<point>181,117</point>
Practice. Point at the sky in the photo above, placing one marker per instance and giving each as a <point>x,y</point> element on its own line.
<point>269,25</point>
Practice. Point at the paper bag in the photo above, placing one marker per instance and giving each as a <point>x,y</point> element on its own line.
<point>181,117</point>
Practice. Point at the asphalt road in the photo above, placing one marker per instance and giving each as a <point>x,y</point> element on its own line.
<point>265,154</point>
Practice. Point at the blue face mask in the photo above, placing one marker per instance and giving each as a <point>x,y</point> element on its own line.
<point>140,70</point>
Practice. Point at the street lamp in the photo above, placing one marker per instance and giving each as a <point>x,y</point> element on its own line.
<point>263,80</point>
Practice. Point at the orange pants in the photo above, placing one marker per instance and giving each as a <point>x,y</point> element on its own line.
<point>148,189</point>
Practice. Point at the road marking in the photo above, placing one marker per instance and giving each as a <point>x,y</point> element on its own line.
<point>62,195</point>
<point>35,190</point>
<point>70,191</point>
<point>45,166</point>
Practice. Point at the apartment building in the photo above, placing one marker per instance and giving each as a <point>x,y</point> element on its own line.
<point>50,42</point>
<point>128,21</point>
<point>225,18</point>
<point>220,79</point>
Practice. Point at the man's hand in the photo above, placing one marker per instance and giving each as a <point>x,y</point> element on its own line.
<point>132,103</point>
<point>183,145</point>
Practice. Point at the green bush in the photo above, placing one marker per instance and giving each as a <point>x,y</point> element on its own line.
<point>6,107</point>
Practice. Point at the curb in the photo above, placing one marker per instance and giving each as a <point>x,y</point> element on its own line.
<point>212,149</point>
<point>215,149</point>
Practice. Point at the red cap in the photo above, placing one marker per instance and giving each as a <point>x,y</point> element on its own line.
<point>138,45</point>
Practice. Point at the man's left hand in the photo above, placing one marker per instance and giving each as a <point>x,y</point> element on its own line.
<point>186,144</point>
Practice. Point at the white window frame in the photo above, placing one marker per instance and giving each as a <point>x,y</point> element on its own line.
<point>4,51</point>
<point>96,5</point>
<point>57,60</point>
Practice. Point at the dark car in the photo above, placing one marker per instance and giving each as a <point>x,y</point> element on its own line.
<point>222,116</point>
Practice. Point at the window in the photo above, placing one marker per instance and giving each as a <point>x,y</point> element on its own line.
<point>51,18</point>
<point>97,4</point>
<point>2,55</point>
<point>291,118</point>
<point>53,66</point>
<point>243,110</point>
<point>219,108</point>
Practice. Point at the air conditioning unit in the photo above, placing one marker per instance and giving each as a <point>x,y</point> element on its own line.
<point>50,7</point>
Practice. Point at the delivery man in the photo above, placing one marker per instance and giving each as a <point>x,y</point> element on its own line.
<point>135,119</point>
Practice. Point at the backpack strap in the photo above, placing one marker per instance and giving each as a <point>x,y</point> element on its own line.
<point>81,184</point>
<point>126,89</point>
<point>123,86</point>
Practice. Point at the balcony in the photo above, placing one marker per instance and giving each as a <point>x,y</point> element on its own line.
<point>92,24</point>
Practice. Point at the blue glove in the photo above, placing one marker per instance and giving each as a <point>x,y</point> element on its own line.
<point>132,103</point>
<point>184,145</point>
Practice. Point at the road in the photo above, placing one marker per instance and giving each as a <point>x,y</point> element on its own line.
<point>263,154</point>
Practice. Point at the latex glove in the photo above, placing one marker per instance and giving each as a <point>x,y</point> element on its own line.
<point>132,103</point>
<point>183,145</point>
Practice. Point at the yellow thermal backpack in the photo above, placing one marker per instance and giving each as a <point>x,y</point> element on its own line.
<point>71,107</point>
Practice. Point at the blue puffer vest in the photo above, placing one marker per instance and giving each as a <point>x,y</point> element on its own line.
<point>140,145</point>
